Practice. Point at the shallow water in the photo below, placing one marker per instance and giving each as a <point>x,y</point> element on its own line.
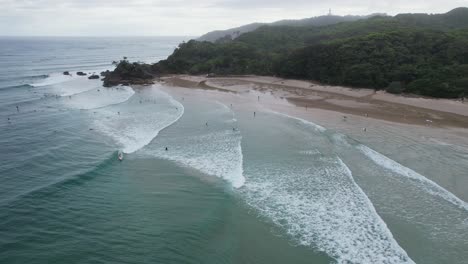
<point>230,188</point>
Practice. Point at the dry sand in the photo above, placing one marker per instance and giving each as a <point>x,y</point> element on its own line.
<point>359,102</point>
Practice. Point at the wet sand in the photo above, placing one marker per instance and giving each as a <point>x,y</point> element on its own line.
<point>358,102</point>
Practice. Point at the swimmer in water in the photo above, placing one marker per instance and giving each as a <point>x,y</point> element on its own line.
<point>167,149</point>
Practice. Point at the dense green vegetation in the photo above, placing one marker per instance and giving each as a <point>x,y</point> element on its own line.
<point>422,62</point>
<point>409,53</point>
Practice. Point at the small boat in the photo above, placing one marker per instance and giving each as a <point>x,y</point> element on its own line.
<point>120,156</point>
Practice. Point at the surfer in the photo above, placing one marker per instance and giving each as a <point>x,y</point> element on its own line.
<point>254,114</point>
<point>120,156</point>
<point>17,108</point>
<point>167,149</point>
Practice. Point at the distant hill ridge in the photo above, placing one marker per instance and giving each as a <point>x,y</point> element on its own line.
<point>233,33</point>
<point>424,54</point>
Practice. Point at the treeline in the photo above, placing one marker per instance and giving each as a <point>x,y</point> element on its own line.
<point>420,54</point>
<point>426,62</point>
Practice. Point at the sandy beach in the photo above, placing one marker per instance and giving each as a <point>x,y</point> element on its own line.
<point>347,101</point>
<point>370,118</point>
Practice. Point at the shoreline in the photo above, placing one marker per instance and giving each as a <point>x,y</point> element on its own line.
<point>347,101</point>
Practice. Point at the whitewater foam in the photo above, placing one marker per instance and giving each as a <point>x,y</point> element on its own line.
<point>54,78</point>
<point>217,154</point>
<point>323,207</point>
<point>306,122</point>
<point>138,123</point>
<point>98,98</point>
<point>427,184</point>
<point>215,150</point>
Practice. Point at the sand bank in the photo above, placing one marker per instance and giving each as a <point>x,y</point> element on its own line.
<point>348,101</point>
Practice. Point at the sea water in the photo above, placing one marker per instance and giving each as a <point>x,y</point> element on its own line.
<point>203,180</point>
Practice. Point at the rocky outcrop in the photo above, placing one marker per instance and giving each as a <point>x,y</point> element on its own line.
<point>81,73</point>
<point>66,73</point>
<point>93,77</point>
<point>105,73</point>
<point>127,73</point>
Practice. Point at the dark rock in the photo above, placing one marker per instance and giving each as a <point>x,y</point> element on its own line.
<point>81,73</point>
<point>66,73</point>
<point>93,77</point>
<point>127,73</point>
<point>105,73</point>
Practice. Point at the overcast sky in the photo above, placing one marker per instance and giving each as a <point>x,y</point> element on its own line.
<point>182,18</point>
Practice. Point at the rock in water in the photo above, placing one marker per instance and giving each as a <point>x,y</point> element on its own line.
<point>66,73</point>
<point>93,77</point>
<point>81,73</point>
<point>127,73</point>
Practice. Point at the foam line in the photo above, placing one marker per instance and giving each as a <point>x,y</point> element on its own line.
<point>215,151</point>
<point>306,122</point>
<point>324,207</point>
<point>98,98</point>
<point>54,79</point>
<point>130,148</point>
<point>138,124</point>
<point>428,185</point>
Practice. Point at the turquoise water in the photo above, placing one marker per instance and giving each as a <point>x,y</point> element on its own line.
<point>230,188</point>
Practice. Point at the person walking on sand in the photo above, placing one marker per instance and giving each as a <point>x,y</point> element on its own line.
<point>254,114</point>
<point>17,108</point>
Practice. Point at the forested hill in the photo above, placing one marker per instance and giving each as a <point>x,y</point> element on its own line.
<point>232,33</point>
<point>409,53</point>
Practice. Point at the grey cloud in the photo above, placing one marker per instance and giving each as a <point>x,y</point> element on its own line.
<point>181,17</point>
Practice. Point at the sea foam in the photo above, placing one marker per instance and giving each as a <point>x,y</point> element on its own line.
<point>306,122</point>
<point>215,150</point>
<point>54,78</point>
<point>323,207</point>
<point>427,184</point>
<point>98,97</point>
<point>134,124</point>
<point>381,160</point>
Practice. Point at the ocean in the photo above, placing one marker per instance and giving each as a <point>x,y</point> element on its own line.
<point>203,179</point>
